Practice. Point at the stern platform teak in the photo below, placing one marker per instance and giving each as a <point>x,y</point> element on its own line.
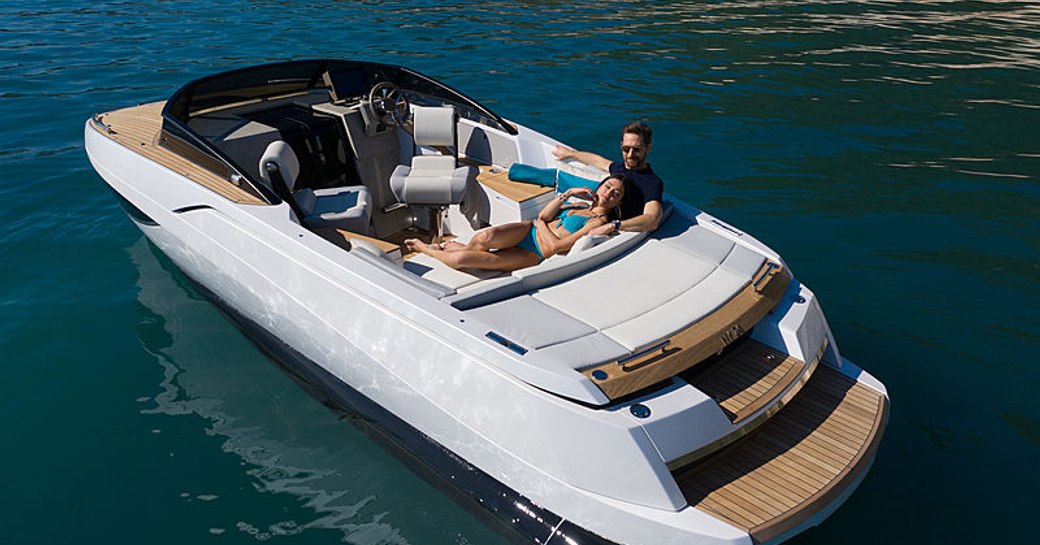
<point>795,464</point>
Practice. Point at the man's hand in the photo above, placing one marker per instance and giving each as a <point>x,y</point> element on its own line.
<point>563,152</point>
<point>603,230</point>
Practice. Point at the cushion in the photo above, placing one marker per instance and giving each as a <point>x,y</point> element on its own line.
<point>685,234</point>
<point>634,284</point>
<point>549,177</point>
<point>431,180</point>
<point>486,292</point>
<point>435,271</point>
<point>584,352</point>
<point>678,313</point>
<point>529,323</point>
<point>520,172</point>
<point>341,202</point>
<point>433,125</point>
<point>566,180</point>
<point>560,268</point>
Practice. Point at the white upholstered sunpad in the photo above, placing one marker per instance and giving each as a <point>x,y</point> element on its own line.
<point>675,278</point>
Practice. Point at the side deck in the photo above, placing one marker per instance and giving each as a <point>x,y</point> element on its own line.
<point>797,463</point>
<point>138,128</point>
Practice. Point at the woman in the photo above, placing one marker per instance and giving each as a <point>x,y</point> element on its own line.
<point>514,246</point>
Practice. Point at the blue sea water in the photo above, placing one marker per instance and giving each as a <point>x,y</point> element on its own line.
<point>888,150</point>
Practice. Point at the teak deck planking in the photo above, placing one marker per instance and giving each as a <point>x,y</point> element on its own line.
<point>796,463</point>
<point>750,378</point>
<point>137,128</point>
<point>497,179</point>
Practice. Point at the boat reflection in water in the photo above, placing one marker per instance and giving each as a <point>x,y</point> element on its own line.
<point>287,443</point>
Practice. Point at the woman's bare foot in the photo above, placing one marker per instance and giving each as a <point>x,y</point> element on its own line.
<point>417,245</point>
<point>451,246</point>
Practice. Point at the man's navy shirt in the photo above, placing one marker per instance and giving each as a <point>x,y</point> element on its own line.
<point>645,187</point>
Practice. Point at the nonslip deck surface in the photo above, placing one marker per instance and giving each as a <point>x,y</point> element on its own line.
<point>137,128</point>
<point>795,464</point>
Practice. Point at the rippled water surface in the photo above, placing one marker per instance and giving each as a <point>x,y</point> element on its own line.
<point>888,150</point>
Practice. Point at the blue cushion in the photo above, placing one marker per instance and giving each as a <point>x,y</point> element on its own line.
<point>566,180</point>
<point>549,177</point>
<point>519,172</point>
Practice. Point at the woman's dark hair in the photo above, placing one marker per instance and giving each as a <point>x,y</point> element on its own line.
<point>626,182</point>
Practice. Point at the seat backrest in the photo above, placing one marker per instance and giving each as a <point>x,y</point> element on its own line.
<point>434,125</point>
<point>282,157</point>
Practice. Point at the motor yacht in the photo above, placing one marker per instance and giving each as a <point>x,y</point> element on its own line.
<point>707,403</point>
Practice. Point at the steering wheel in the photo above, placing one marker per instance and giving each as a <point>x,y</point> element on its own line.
<point>389,104</point>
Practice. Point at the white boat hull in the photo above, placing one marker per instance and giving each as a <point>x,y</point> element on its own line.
<point>429,377</point>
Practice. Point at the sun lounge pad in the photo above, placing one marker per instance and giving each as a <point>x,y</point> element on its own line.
<point>433,288</point>
<point>680,275</point>
<point>633,285</point>
<point>432,270</point>
<point>689,306</point>
<point>530,323</point>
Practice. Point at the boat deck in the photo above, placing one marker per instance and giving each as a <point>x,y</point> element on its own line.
<point>138,128</point>
<point>751,378</point>
<point>797,463</point>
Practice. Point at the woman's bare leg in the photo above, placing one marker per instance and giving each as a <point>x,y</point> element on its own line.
<point>508,259</point>
<point>502,236</point>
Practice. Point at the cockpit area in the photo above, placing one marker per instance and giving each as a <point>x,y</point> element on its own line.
<point>371,149</point>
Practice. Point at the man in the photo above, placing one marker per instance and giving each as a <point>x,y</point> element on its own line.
<point>642,204</point>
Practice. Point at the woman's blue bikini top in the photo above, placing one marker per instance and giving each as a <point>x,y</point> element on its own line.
<point>574,223</point>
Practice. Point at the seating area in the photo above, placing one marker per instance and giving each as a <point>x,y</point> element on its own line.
<point>433,179</point>
<point>347,208</point>
<point>569,310</point>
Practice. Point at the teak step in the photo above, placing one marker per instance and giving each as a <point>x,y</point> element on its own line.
<point>752,377</point>
<point>795,464</point>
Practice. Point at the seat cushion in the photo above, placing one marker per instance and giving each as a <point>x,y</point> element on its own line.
<point>433,165</point>
<point>530,323</point>
<point>437,186</point>
<point>340,207</point>
<point>634,284</point>
<point>435,271</point>
<point>685,234</point>
<point>341,202</point>
<point>676,314</point>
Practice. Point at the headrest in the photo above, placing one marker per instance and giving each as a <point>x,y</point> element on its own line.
<point>434,125</point>
<point>282,156</point>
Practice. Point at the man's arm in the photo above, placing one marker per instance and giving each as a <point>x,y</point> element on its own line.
<point>587,157</point>
<point>647,221</point>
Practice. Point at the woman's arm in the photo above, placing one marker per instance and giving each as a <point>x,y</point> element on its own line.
<point>552,209</point>
<point>550,244</point>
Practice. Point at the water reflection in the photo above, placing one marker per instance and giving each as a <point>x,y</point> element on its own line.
<point>288,442</point>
